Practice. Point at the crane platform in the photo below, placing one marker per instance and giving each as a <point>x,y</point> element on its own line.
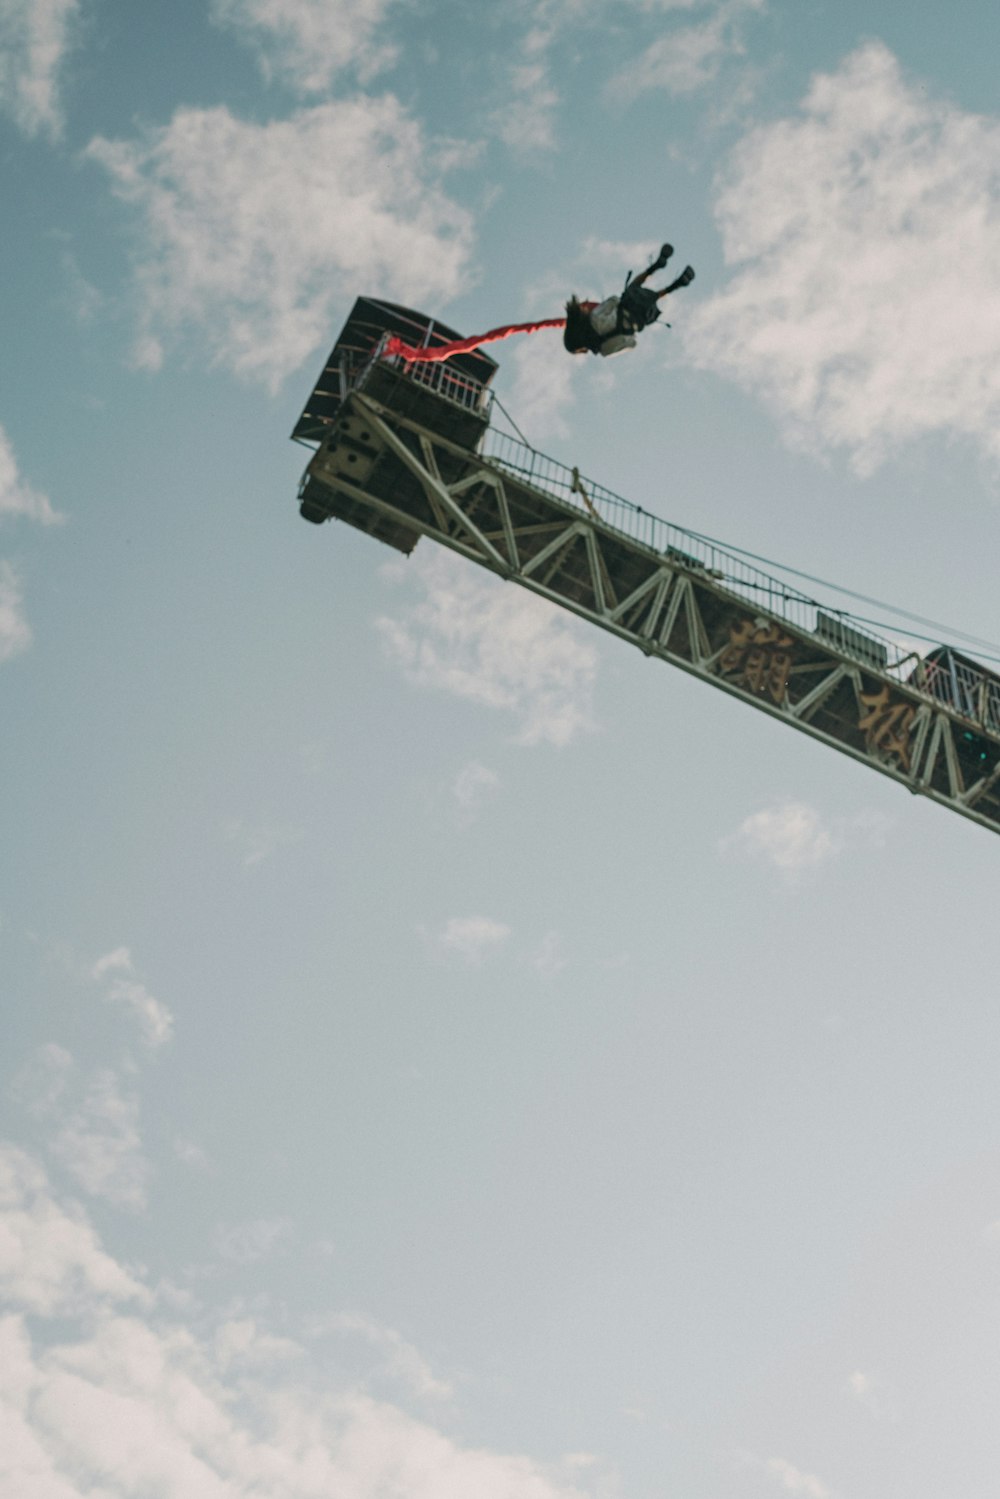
<point>408,450</point>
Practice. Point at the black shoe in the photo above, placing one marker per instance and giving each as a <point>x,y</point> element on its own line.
<point>684,279</point>
<point>665,253</point>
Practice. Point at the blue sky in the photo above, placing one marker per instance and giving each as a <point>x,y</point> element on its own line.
<point>444,1052</point>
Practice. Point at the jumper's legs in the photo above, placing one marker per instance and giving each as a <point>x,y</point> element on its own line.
<point>684,279</point>
<point>665,253</point>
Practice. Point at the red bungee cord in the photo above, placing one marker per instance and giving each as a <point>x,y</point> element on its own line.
<point>396,346</point>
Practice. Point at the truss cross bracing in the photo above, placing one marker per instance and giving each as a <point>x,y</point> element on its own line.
<point>404,459</point>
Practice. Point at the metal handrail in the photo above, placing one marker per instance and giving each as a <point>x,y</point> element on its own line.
<point>977,695</point>
<point>438,376</point>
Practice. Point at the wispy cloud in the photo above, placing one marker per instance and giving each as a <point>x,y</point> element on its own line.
<point>794,1481</point>
<point>400,1359</point>
<point>100,1146</point>
<point>15,632</point>
<point>241,1343</point>
<point>499,646</point>
<point>871,1391</point>
<point>51,1261</point>
<point>306,43</point>
<point>794,837</point>
<point>790,835</point>
<point>544,383</point>
<point>786,1476</point>
<point>156,1022</point>
<point>549,957</point>
<point>178,1403</point>
<point>864,232</point>
<point>470,938</point>
<point>91,1124</point>
<point>17,497</point>
<point>190,1154</point>
<point>117,961</point>
<point>35,37</point>
<point>526,120</point>
<point>41,1084</point>
<point>255,1240</point>
<point>257,841</point>
<point>473,787</point>
<point>686,58</point>
<point>251,236</point>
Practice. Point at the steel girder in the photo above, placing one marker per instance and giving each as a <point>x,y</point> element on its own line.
<point>668,606</point>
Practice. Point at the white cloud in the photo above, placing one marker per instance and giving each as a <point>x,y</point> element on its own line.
<point>119,1405</point>
<point>258,841</point>
<point>794,836</point>
<point>35,36</point>
<point>41,1085</point>
<point>307,42</point>
<point>790,835</point>
<point>117,961</point>
<point>18,497</point>
<point>470,937</point>
<point>794,1481</point>
<point>82,297</point>
<point>100,1146</point>
<point>252,236</point>
<point>155,1020</point>
<point>871,1391</point>
<point>474,785</point>
<point>687,58</point>
<point>50,1258</point>
<point>684,60</point>
<point>543,387</point>
<point>94,1124</point>
<point>241,1342</point>
<point>191,1154</point>
<point>526,120</point>
<point>402,1360</point>
<point>549,957</point>
<point>494,644</point>
<point>15,632</point>
<point>866,309</point>
<point>249,1243</point>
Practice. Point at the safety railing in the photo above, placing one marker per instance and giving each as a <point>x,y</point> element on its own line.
<point>961,686</point>
<point>974,693</point>
<point>440,377</point>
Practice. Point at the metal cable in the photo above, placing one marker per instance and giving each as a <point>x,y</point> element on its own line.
<point>920,619</point>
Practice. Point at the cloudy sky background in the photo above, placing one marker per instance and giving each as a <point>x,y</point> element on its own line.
<point>443,1052</point>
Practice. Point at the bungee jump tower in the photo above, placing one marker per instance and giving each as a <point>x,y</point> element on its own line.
<point>405,450</point>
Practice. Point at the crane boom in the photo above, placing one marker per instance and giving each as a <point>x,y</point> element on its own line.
<point>408,451</point>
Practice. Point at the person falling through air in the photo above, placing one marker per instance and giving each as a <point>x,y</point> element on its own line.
<point>610,327</point>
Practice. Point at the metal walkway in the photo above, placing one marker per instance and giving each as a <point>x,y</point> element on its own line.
<point>409,452</point>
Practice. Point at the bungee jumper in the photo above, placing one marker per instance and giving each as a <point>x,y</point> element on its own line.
<point>610,327</point>
<point>605,328</point>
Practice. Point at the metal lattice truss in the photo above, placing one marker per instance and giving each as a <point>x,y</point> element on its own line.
<point>397,478</point>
